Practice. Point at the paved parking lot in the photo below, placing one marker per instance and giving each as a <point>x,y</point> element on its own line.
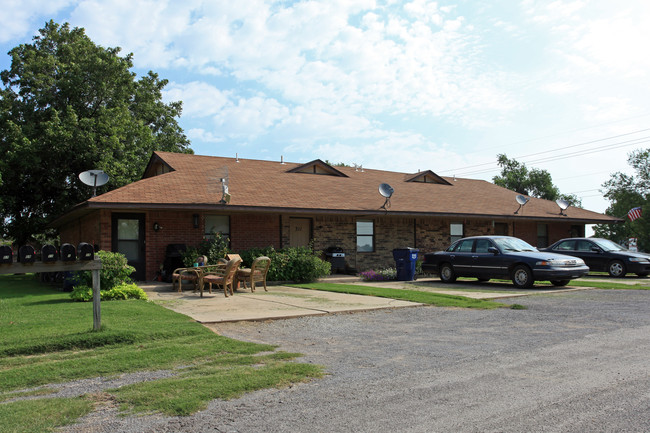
<point>574,361</point>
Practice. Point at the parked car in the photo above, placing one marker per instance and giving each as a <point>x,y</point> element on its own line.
<point>604,255</point>
<point>486,257</point>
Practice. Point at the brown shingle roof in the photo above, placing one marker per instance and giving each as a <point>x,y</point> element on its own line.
<point>267,185</point>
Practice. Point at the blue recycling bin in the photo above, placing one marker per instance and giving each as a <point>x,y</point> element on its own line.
<point>405,259</point>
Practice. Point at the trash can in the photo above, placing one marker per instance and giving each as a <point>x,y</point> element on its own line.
<point>405,259</point>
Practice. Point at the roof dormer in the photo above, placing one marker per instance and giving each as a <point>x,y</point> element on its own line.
<point>317,167</point>
<point>427,177</point>
<point>156,166</point>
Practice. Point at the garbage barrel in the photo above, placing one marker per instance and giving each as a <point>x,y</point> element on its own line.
<point>405,260</point>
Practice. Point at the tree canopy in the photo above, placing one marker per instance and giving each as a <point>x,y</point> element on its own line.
<point>624,193</point>
<point>535,182</point>
<point>68,105</point>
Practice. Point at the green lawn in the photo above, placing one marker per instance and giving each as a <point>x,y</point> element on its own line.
<point>613,284</point>
<point>45,338</point>
<point>437,299</point>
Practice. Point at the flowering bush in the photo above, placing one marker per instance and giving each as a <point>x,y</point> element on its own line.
<point>387,274</point>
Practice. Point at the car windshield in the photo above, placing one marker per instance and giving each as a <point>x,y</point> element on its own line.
<point>608,245</point>
<point>513,244</point>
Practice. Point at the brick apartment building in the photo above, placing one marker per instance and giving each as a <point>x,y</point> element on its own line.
<point>181,198</point>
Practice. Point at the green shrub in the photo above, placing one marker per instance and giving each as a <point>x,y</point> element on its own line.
<point>115,270</point>
<point>214,247</point>
<point>121,291</point>
<point>298,264</point>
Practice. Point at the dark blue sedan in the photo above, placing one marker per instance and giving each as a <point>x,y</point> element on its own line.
<point>486,257</point>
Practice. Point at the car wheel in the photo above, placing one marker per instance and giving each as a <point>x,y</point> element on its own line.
<point>560,283</point>
<point>522,277</point>
<point>616,269</point>
<point>447,274</point>
<point>482,280</point>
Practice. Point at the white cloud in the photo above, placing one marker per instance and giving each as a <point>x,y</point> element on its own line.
<point>18,18</point>
<point>398,59</point>
<point>249,117</point>
<point>608,109</point>
<point>393,151</point>
<point>202,135</point>
<point>200,99</point>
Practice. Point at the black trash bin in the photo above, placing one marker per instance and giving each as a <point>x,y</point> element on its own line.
<point>405,259</point>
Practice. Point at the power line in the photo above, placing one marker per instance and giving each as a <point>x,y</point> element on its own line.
<point>567,155</point>
<point>462,169</point>
<point>591,174</point>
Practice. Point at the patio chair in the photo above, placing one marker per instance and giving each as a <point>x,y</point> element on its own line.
<point>223,276</point>
<point>230,256</point>
<point>257,273</point>
<point>192,274</point>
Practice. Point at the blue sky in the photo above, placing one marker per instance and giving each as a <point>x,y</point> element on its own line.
<point>395,85</point>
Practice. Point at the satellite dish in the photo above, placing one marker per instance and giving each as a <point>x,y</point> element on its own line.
<point>386,191</point>
<point>563,204</point>
<point>94,178</point>
<point>522,200</point>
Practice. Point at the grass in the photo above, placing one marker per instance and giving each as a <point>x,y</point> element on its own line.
<point>437,299</point>
<point>45,338</point>
<point>613,285</point>
<point>20,416</point>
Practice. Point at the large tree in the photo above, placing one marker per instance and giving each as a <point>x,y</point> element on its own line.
<point>535,182</point>
<point>625,192</point>
<point>68,105</point>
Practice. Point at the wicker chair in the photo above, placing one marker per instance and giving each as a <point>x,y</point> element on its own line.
<point>223,276</point>
<point>192,275</point>
<point>257,273</point>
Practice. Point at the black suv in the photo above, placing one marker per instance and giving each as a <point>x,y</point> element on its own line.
<point>604,255</point>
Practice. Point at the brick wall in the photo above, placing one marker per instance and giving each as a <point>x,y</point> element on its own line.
<point>87,229</point>
<point>426,234</point>
<point>263,230</point>
<point>177,228</point>
<point>251,231</point>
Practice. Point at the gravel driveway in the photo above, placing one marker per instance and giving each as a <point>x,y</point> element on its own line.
<point>571,362</point>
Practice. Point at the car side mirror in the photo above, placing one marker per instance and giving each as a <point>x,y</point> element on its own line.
<point>596,249</point>
<point>493,250</point>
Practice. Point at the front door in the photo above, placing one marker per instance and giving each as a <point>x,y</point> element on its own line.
<point>300,232</point>
<point>128,239</point>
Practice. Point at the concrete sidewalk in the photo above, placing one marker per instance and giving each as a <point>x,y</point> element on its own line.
<point>279,302</point>
<point>282,302</point>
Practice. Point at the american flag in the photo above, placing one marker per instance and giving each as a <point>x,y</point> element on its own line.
<point>634,213</point>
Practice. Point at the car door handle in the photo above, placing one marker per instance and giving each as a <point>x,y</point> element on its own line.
<point>475,257</point>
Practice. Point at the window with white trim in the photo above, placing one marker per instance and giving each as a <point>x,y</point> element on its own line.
<point>365,236</point>
<point>455,232</point>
